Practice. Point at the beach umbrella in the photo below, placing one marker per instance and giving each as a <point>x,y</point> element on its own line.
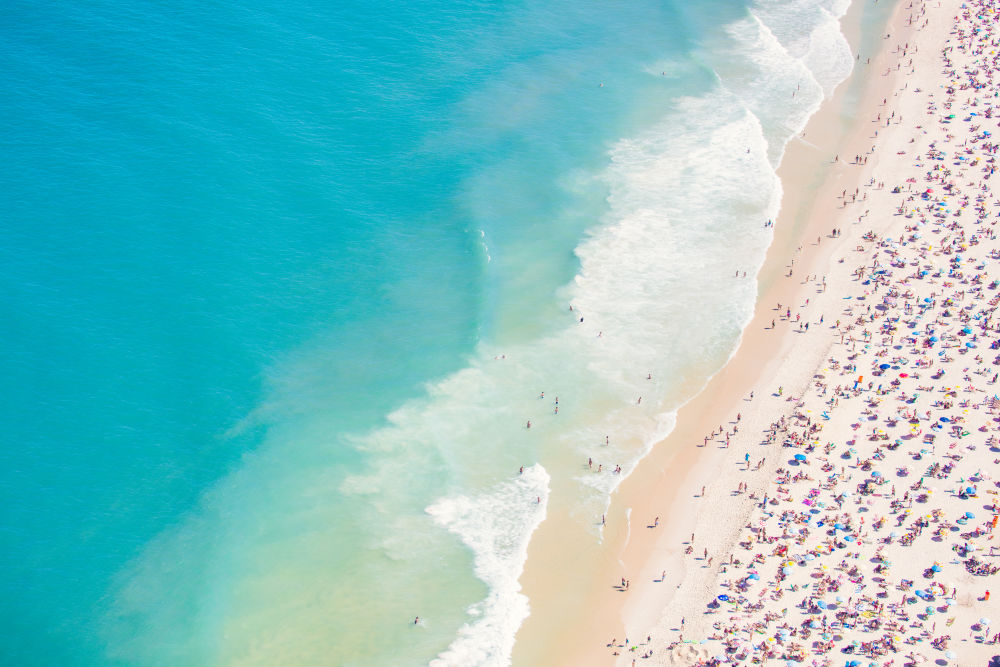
<point>800,457</point>
<point>876,473</point>
<point>984,621</point>
<point>810,557</point>
<point>754,576</point>
<point>884,366</point>
<point>839,598</point>
<point>929,610</point>
<point>949,602</point>
<point>838,526</point>
<point>945,419</point>
<point>935,568</point>
<point>950,655</point>
<point>904,375</point>
<point>724,597</point>
<point>848,538</point>
<point>894,534</point>
<point>969,490</point>
<point>821,604</point>
<point>970,515</point>
<point>786,570</point>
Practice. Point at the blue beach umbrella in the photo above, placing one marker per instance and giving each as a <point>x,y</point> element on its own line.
<point>848,538</point>
<point>884,366</point>
<point>821,604</point>
<point>970,515</point>
<point>724,598</point>
<point>800,457</point>
<point>876,473</point>
<point>935,568</point>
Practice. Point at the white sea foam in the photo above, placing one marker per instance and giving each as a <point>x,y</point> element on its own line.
<point>809,31</point>
<point>497,525</point>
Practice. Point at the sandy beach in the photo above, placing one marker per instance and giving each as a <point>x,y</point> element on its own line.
<point>828,498</point>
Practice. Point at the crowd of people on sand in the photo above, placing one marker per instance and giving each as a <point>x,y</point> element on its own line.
<point>871,542</point>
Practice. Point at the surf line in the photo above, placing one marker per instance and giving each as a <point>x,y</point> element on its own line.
<point>628,531</point>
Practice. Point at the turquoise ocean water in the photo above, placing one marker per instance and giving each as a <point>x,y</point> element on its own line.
<point>283,282</point>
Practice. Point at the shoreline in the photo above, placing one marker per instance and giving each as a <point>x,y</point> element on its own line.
<point>668,479</point>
